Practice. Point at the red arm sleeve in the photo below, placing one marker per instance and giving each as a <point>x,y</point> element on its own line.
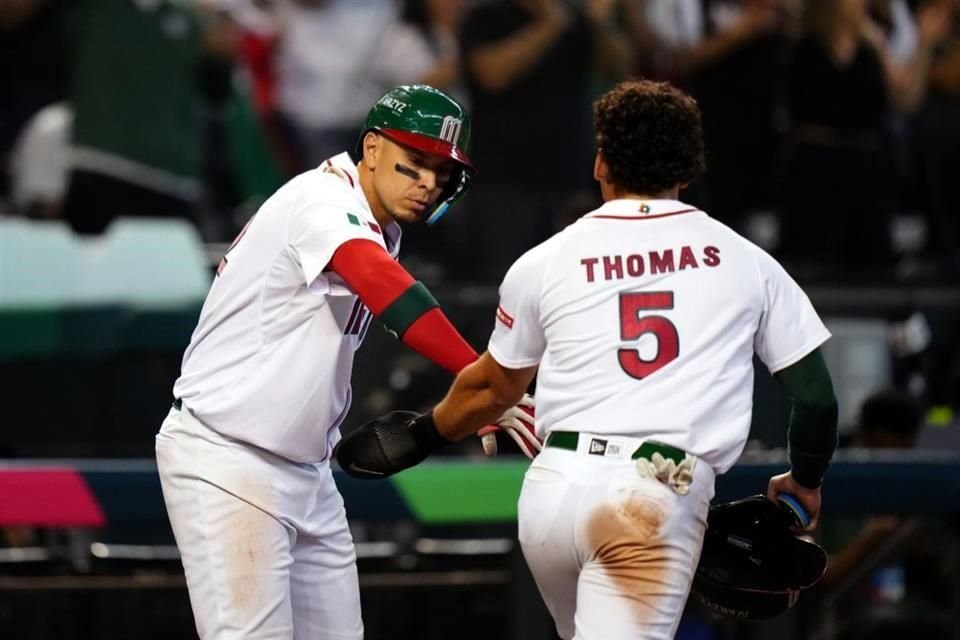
<point>379,280</point>
<point>433,336</point>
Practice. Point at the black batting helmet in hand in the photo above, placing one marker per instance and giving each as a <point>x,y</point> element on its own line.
<point>753,565</point>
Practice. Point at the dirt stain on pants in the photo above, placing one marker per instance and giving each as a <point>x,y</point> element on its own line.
<point>626,541</point>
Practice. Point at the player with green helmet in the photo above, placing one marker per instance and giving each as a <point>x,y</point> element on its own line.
<point>244,454</point>
<point>429,120</point>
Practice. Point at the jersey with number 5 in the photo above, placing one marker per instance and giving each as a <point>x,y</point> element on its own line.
<point>644,317</point>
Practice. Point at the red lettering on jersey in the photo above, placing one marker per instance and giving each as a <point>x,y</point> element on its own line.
<point>711,256</point>
<point>635,264</point>
<point>611,265</point>
<point>589,263</point>
<point>661,263</point>
<point>687,259</point>
<point>504,317</point>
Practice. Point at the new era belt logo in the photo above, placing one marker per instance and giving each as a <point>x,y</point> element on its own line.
<point>598,447</point>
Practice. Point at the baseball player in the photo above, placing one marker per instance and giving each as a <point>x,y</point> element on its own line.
<point>244,453</point>
<point>640,322</point>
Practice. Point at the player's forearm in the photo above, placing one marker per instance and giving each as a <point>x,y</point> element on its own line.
<point>812,434</point>
<point>444,74</point>
<point>478,397</point>
<point>612,50</point>
<point>404,306</point>
<point>435,338</point>
<point>499,65</point>
<point>689,60</point>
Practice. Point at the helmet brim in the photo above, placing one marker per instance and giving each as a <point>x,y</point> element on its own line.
<point>429,145</point>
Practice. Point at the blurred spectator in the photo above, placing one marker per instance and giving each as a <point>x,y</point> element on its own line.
<point>945,70</point>
<point>136,146</point>
<point>840,178</point>
<point>325,57</point>
<point>38,164</point>
<point>259,23</point>
<point>424,47</point>
<point>728,54</point>
<point>33,66</point>
<point>529,65</point>
<point>937,151</point>
<point>892,577</point>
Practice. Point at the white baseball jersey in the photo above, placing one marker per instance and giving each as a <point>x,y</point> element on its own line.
<point>644,317</point>
<point>270,360</point>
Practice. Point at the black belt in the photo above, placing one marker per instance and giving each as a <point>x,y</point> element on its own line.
<point>570,439</point>
<point>177,404</point>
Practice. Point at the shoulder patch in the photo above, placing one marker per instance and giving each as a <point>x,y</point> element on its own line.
<point>355,220</point>
<point>504,317</point>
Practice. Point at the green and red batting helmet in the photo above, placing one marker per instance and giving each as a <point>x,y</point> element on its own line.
<point>429,120</point>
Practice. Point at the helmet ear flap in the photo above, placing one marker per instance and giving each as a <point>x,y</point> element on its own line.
<point>455,189</point>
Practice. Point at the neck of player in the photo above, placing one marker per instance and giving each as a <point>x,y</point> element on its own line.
<point>380,212</point>
<point>610,191</point>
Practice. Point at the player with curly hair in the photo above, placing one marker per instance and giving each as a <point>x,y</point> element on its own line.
<point>640,322</point>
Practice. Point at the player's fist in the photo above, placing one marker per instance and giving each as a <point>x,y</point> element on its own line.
<point>518,423</point>
<point>387,445</point>
<point>809,498</point>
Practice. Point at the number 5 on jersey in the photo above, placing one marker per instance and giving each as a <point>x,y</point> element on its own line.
<point>634,326</point>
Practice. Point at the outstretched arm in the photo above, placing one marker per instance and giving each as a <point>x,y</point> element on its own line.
<point>479,396</point>
<point>400,440</point>
<point>404,306</point>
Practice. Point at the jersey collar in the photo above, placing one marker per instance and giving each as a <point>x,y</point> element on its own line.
<point>345,167</point>
<point>626,209</point>
<point>342,165</point>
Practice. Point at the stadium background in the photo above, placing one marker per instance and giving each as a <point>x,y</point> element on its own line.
<point>201,109</point>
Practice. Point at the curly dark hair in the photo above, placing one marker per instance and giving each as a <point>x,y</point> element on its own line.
<point>650,135</point>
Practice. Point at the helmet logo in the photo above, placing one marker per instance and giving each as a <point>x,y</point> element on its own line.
<point>450,130</point>
<point>395,105</point>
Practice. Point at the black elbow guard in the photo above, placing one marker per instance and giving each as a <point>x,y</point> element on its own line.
<point>388,445</point>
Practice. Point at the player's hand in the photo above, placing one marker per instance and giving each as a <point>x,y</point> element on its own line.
<point>388,445</point>
<point>809,498</point>
<point>517,422</point>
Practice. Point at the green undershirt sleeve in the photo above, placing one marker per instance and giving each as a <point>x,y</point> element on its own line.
<point>812,434</point>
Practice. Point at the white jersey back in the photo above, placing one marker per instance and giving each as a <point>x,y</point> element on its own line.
<point>270,360</point>
<point>644,317</point>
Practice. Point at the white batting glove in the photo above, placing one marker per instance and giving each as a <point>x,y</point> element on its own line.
<point>517,422</point>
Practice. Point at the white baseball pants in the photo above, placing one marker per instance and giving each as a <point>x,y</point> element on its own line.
<point>612,551</point>
<point>264,541</point>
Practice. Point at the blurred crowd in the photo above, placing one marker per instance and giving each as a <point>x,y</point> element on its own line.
<point>832,126</point>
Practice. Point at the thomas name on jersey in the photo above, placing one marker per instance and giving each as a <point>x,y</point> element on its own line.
<point>652,263</point>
